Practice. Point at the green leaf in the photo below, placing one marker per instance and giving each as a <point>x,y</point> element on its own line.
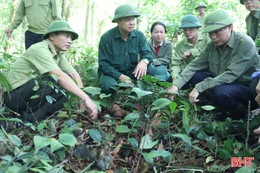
<point>103,95</point>
<point>199,149</point>
<point>125,85</point>
<point>133,142</point>
<point>123,129</point>
<point>208,107</point>
<point>160,103</point>
<point>186,122</point>
<point>68,139</point>
<point>223,154</point>
<point>140,93</point>
<point>248,169</point>
<point>49,99</point>
<point>131,116</point>
<point>93,90</point>
<point>5,82</point>
<point>15,140</point>
<point>173,106</point>
<point>40,142</point>
<point>55,145</point>
<point>185,138</point>
<point>166,84</point>
<point>146,142</point>
<point>34,97</point>
<point>157,153</point>
<point>95,135</point>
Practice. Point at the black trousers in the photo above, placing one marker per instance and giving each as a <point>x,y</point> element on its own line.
<point>32,38</point>
<point>36,99</point>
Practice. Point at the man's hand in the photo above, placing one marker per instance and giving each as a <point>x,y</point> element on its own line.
<point>257,89</point>
<point>257,99</point>
<point>91,106</point>
<point>193,96</point>
<point>257,132</point>
<point>173,88</point>
<point>125,79</point>
<point>8,33</point>
<point>140,69</point>
<point>186,55</point>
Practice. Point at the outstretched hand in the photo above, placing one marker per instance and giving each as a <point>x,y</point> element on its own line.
<point>125,79</point>
<point>193,96</point>
<point>91,107</point>
<point>171,89</point>
<point>140,69</point>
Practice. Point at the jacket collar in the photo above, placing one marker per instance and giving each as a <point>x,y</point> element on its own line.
<point>118,34</point>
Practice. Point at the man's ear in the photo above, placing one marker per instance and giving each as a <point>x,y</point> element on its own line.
<point>51,36</point>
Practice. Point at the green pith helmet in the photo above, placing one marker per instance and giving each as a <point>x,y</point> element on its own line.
<point>202,4</point>
<point>62,26</point>
<point>217,19</point>
<point>125,11</point>
<point>190,21</point>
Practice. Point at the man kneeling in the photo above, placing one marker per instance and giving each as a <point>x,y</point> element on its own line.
<point>34,73</point>
<point>224,67</point>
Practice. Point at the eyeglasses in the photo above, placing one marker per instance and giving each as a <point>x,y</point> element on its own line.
<point>217,32</point>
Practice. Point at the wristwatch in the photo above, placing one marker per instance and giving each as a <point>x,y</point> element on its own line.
<point>145,61</point>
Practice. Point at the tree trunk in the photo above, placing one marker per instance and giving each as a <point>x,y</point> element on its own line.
<point>63,6</point>
<point>6,47</point>
<point>92,21</point>
<point>67,13</point>
<point>86,23</point>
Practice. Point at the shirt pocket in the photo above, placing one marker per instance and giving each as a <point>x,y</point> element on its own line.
<point>133,57</point>
<point>214,67</point>
<point>44,2</point>
<point>28,3</point>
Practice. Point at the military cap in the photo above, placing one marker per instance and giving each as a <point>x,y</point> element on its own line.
<point>201,4</point>
<point>125,10</point>
<point>217,19</point>
<point>60,25</point>
<point>190,21</point>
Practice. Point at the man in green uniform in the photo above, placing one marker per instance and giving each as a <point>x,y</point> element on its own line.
<point>40,14</point>
<point>201,7</point>
<point>39,76</point>
<point>120,49</point>
<point>224,67</point>
<point>190,46</point>
<point>253,18</point>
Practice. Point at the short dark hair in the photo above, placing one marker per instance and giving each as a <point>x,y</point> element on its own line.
<point>158,23</point>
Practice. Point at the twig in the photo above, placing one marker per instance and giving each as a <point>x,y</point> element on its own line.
<point>141,148</point>
<point>64,161</point>
<point>247,127</point>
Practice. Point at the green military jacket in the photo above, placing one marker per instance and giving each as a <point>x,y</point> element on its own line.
<point>38,60</point>
<point>235,62</point>
<point>117,56</point>
<point>178,64</point>
<point>164,55</point>
<point>252,24</point>
<point>39,13</point>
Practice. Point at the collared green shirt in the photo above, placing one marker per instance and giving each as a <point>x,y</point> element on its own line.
<point>235,62</point>
<point>164,55</point>
<point>117,56</point>
<point>39,13</point>
<point>178,64</point>
<point>252,24</point>
<point>38,60</point>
